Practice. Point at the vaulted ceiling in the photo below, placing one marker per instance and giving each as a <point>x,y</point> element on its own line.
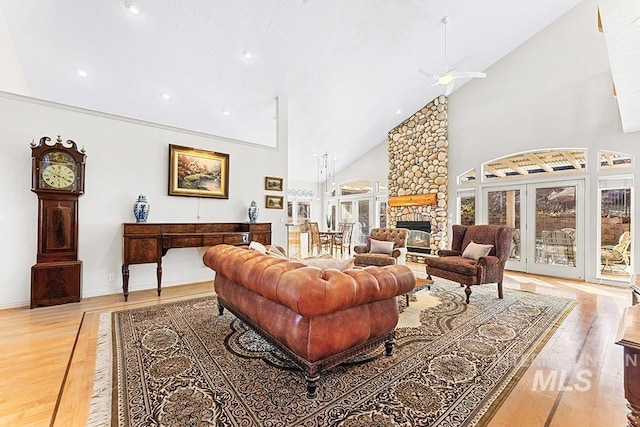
<point>348,69</point>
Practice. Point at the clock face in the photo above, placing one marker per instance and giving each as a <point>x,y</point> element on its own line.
<point>58,171</point>
<point>58,176</point>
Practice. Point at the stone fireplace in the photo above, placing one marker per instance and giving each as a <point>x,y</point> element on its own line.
<point>418,166</point>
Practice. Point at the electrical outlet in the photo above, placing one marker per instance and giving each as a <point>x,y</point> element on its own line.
<point>112,277</point>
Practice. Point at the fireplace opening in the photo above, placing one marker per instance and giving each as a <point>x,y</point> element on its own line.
<point>419,240</point>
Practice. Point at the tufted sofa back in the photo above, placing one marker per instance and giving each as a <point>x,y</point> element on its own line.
<point>396,235</point>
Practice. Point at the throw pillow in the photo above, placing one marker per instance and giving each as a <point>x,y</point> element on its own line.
<point>476,250</point>
<point>381,247</point>
<point>257,246</point>
<point>274,251</point>
<point>324,263</point>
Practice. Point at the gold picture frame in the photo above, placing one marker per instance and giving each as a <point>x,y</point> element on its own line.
<point>274,202</point>
<point>198,173</point>
<point>273,183</point>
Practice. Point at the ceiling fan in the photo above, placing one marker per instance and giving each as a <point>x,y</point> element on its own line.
<point>449,76</point>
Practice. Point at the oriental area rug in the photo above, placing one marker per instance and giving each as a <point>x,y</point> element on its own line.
<point>180,364</point>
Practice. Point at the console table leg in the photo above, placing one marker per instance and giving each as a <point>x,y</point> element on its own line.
<point>125,281</point>
<point>632,384</point>
<point>159,275</point>
<point>312,385</point>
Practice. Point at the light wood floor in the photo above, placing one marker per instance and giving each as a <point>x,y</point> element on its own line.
<point>47,358</point>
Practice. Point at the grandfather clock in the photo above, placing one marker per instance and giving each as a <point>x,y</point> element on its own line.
<point>58,180</point>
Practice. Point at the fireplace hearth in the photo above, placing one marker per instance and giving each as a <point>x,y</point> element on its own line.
<point>419,240</point>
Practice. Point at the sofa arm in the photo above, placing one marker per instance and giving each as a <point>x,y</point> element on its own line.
<point>360,249</point>
<point>400,254</point>
<point>489,260</point>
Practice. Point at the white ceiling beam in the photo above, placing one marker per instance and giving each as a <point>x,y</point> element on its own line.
<point>538,161</point>
<point>571,159</point>
<point>490,170</point>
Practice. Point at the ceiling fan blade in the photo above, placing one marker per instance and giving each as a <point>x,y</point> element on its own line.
<point>432,76</point>
<point>449,88</point>
<point>469,74</point>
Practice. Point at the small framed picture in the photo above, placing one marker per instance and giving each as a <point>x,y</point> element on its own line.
<point>272,183</point>
<point>274,202</point>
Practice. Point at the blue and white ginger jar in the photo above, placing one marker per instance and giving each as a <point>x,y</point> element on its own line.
<point>253,211</point>
<point>141,209</point>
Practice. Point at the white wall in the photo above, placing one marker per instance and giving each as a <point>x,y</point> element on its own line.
<point>12,77</point>
<point>553,91</point>
<point>124,159</point>
<point>374,165</point>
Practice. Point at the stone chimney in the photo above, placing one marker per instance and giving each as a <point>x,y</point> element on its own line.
<point>418,160</point>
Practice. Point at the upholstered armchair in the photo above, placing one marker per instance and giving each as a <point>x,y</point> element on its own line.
<point>478,255</point>
<point>385,246</point>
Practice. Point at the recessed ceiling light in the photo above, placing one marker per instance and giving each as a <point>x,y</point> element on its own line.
<point>636,22</point>
<point>247,55</point>
<point>399,112</point>
<point>226,112</point>
<point>166,96</point>
<point>83,73</point>
<point>133,9</point>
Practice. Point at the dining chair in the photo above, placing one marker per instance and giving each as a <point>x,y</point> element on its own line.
<point>343,238</point>
<point>318,242</point>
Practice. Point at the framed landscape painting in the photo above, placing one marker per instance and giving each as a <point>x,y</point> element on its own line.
<point>198,173</point>
<point>274,202</point>
<point>272,183</point>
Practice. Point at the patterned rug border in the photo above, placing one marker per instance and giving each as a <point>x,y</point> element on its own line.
<point>492,407</point>
<point>103,406</point>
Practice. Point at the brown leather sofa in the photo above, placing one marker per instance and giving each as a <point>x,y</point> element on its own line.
<point>319,318</point>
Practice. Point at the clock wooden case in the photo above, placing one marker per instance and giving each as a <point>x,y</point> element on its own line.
<point>58,172</point>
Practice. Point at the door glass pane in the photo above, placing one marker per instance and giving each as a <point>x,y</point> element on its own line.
<point>363,219</point>
<point>615,233</point>
<point>556,225</point>
<point>468,210</point>
<point>382,214</point>
<point>504,209</point>
<point>346,212</point>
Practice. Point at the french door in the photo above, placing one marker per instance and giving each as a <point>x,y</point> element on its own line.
<point>549,222</point>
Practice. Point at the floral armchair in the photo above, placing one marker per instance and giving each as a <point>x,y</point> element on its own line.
<point>478,255</point>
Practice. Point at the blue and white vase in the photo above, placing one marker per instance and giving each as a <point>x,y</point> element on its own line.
<point>253,211</point>
<point>141,209</point>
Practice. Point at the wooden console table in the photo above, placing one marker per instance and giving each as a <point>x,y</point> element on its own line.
<point>629,337</point>
<point>146,243</point>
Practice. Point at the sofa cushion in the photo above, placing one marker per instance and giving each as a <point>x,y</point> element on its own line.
<point>476,250</point>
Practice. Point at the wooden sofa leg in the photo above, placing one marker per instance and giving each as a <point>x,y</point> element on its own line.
<point>388,347</point>
<point>468,292</point>
<point>220,309</point>
<point>500,290</point>
<point>312,385</point>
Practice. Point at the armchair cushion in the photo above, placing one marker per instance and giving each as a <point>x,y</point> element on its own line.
<point>476,250</point>
<point>381,247</point>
